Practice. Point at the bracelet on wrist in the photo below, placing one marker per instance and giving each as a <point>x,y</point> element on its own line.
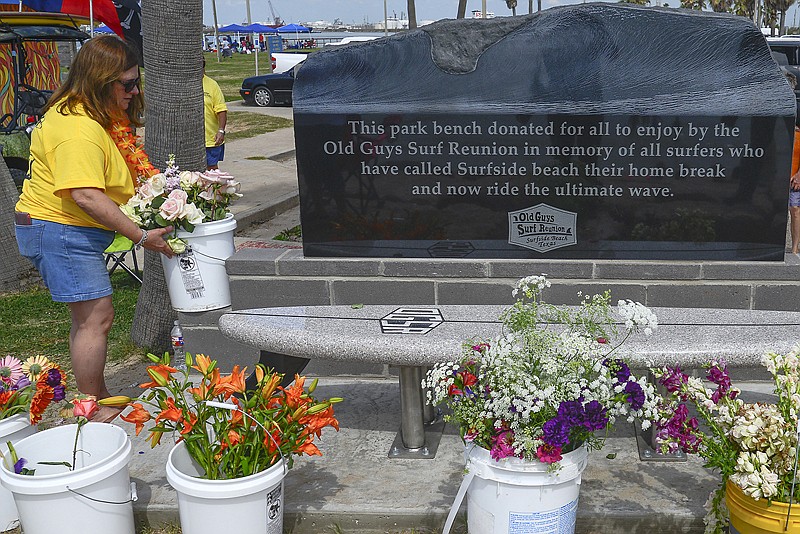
<point>221,131</point>
<point>142,239</point>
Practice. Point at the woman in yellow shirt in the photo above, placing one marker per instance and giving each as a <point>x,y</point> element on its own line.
<point>69,208</point>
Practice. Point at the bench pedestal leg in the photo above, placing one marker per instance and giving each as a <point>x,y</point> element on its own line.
<point>414,440</point>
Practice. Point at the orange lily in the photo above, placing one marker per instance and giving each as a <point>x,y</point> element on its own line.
<point>308,447</point>
<point>316,422</point>
<point>164,371</point>
<point>171,413</point>
<point>139,416</point>
<point>202,363</point>
<point>231,384</point>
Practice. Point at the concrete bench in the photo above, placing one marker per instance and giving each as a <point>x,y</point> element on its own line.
<point>416,337</point>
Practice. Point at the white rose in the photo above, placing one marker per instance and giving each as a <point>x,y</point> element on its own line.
<point>193,214</point>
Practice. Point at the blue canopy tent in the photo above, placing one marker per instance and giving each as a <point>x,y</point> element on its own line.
<point>233,28</point>
<point>294,28</point>
<point>259,28</point>
<point>103,29</point>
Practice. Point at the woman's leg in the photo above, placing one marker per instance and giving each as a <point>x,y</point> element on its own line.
<point>794,213</point>
<point>88,346</point>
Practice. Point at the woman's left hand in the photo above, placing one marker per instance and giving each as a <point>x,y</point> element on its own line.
<point>157,243</point>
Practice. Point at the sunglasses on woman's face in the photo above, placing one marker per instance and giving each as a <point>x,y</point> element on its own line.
<point>130,85</point>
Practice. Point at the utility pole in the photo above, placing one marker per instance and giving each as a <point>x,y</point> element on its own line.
<point>216,34</point>
<point>386,19</point>
<point>483,9</point>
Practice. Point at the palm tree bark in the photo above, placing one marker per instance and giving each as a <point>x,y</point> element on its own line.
<point>462,9</point>
<point>15,271</point>
<point>412,15</point>
<point>174,125</point>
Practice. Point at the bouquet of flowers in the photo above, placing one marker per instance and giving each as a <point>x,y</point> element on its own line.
<point>181,199</point>
<point>29,386</point>
<point>229,431</point>
<point>752,445</point>
<point>550,382</point>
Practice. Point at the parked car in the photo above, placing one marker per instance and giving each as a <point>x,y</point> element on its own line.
<point>269,89</point>
<point>786,52</point>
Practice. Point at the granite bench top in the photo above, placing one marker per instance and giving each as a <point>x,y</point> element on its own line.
<point>427,334</point>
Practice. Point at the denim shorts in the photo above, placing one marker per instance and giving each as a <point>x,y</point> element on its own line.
<point>69,258</point>
<point>794,198</point>
<point>215,154</point>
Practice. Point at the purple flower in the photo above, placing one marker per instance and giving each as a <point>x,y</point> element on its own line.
<point>635,395</point>
<point>22,383</point>
<point>718,374</point>
<point>619,367</point>
<point>680,431</point>
<point>556,432</point>
<point>673,379</point>
<point>571,412</point>
<point>53,378</point>
<point>19,465</point>
<point>595,417</point>
<point>59,393</point>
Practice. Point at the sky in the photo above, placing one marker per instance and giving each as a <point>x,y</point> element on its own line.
<point>355,11</point>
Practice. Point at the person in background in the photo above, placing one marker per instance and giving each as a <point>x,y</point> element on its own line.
<point>794,178</point>
<point>794,192</point>
<point>216,118</point>
<point>80,173</point>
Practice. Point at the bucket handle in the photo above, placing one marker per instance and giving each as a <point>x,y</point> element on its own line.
<point>134,496</point>
<point>462,490</point>
<point>234,408</point>
<point>222,260</point>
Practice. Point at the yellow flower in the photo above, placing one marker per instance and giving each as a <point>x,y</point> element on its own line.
<point>34,366</point>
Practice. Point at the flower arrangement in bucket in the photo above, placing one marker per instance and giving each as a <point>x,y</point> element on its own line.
<point>753,446</point>
<point>30,386</point>
<point>228,430</point>
<point>550,383</point>
<point>82,408</point>
<point>182,199</point>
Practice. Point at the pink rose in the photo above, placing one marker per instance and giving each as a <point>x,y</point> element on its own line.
<point>173,208</point>
<point>86,407</point>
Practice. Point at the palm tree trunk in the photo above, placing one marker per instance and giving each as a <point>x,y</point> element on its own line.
<point>15,271</point>
<point>174,125</point>
<point>530,6</point>
<point>462,9</point>
<point>412,15</point>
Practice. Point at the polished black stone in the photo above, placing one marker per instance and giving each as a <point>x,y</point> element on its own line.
<point>588,131</point>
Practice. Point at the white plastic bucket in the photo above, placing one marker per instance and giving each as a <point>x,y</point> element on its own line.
<point>12,429</point>
<point>197,279</point>
<point>207,506</point>
<point>515,496</point>
<point>97,492</point>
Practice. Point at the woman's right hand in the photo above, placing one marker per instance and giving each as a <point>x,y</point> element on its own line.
<point>156,242</point>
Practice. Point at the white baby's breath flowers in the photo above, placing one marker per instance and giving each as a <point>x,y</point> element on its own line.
<point>637,316</point>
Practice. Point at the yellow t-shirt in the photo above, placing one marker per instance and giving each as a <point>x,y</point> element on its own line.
<point>213,103</point>
<point>72,151</point>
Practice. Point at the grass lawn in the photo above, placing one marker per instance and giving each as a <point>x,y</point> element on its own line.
<point>34,324</point>
<point>242,124</point>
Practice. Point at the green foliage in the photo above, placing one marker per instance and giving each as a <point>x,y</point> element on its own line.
<point>290,234</point>
<point>34,324</point>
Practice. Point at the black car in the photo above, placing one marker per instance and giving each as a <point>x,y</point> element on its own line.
<point>269,89</point>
